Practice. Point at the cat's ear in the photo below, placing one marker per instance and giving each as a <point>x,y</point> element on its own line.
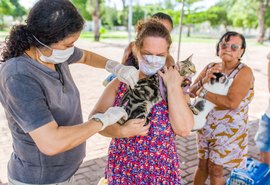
<point>190,57</point>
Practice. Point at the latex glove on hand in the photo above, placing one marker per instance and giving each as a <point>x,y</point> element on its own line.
<point>111,116</point>
<point>126,74</point>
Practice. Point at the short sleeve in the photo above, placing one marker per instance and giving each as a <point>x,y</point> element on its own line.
<point>26,103</point>
<point>76,56</point>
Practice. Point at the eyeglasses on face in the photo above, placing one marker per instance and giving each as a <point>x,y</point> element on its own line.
<point>224,45</point>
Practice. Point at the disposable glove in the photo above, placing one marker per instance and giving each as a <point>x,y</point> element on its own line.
<point>126,74</point>
<point>111,116</point>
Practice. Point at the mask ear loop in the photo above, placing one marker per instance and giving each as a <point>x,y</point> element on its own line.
<point>42,43</point>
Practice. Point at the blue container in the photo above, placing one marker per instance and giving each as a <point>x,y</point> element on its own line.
<point>108,79</point>
<point>256,173</point>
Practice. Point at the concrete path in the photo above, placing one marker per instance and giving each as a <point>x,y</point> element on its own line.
<point>89,82</point>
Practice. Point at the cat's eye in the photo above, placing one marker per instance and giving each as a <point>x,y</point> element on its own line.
<point>234,47</point>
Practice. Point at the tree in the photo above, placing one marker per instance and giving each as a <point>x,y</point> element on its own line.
<point>267,20</point>
<point>124,16</point>
<point>91,10</point>
<point>189,10</point>
<point>244,14</point>
<point>95,9</point>
<point>217,15</point>
<point>19,11</point>
<point>6,8</point>
<point>81,5</point>
<point>138,14</point>
<point>263,5</point>
<point>110,17</point>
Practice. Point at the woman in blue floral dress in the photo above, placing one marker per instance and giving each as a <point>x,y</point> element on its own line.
<point>141,154</point>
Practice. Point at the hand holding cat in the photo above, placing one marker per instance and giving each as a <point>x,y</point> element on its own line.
<point>210,73</point>
<point>134,127</point>
<point>171,76</point>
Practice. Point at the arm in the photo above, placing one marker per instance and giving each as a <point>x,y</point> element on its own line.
<point>93,59</point>
<point>126,74</point>
<point>52,139</point>
<point>180,115</point>
<point>131,128</point>
<point>237,92</point>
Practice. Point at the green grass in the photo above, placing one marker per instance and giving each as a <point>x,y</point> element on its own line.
<point>111,35</point>
<point>123,35</point>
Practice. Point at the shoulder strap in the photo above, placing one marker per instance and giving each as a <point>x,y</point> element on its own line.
<point>236,70</point>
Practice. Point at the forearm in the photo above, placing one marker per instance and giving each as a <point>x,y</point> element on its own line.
<point>222,101</point>
<point>52,139</point>
<point>180,115</point>
<point>94,60</point>
<point>113,131</point>
<point>195,87</point>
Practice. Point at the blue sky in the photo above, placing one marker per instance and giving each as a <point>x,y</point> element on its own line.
<point>117,3</point>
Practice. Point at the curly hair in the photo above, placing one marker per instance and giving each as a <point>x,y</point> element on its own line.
<point>151,28</point>
<point>49,21</point>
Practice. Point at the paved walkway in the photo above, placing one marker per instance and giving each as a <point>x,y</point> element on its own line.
<point>89,82</point>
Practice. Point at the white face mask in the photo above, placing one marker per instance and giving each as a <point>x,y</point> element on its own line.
<point>151,64</point>
<point>58,56</point>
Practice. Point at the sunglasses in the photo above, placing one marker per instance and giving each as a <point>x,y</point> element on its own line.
<point>234,47</point>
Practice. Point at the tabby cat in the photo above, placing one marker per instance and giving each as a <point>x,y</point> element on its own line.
<point>148,91</point>
<point>219,85</point>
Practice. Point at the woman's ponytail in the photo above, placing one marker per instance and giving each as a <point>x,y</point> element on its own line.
<point>18,41</point>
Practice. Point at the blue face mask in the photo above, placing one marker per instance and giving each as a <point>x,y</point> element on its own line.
<point>58,56</point>
<point>151,64</point>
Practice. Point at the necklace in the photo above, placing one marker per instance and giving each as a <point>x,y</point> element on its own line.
<point>229,72</point>
<point>27,55</point>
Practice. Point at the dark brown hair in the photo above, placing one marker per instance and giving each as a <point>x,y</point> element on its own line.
<point>227,36</point>
<point>49,21</point>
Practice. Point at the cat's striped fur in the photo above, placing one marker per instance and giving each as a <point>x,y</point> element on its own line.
<point>147,92</point>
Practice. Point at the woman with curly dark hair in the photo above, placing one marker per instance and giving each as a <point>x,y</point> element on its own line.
<point>40,99</point>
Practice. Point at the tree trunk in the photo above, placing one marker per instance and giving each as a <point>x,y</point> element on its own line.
<point>125,14</point>
<point>188,30</point>
<point>262,8</point>
<point>96,19</point>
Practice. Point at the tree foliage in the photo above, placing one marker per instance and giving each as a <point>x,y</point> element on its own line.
<point>82,5</point>
<point>6,7</point>
<point>18,11</point>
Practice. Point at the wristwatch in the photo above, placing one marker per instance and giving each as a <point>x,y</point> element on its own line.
<point>203,93</point>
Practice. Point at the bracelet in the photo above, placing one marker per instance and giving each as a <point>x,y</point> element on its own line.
<point>203,93</point>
